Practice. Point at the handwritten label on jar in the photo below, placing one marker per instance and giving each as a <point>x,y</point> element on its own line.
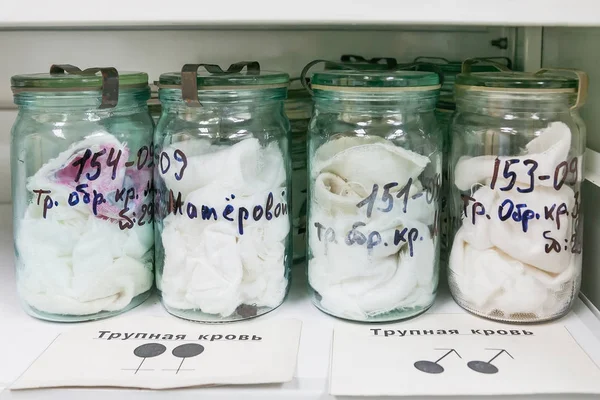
<point>177,165</point>
<point>559,213</point>
<point>268,211</point>
<point>94,174</point>
<point>406,235</point>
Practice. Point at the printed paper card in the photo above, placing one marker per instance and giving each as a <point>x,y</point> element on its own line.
<point>162,353</point>
<point>441,354</point>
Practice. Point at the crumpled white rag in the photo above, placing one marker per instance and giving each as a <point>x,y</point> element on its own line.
<point>209,265</point>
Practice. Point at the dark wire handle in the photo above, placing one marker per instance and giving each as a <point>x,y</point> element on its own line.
<point>469,62</point>
<point>189,77</point>
<point>352,58</point>
<point>423,58</point>
<point>306,81</point>
<point>389,61</point>
<point>418,65</point>
<point>110,80</point>
<point>507,60</point>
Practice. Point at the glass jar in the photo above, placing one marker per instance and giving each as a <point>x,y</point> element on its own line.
<point>298,108</point>
<point>516,172</point>
<point>374,179</point>
<point>222,181</point>
<point>82,192</point>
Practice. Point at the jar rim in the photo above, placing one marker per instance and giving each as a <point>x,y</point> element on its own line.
<point>47,82</point>
<point>515,82</point>
<point>244,80</point>
<point>389,80</point>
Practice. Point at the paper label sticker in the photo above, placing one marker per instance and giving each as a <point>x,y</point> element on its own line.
<point>439,354</point>
<point>162,353</point>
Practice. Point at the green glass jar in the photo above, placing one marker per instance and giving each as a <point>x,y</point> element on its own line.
<point>222,192</point>
<point>374,179</point>
<point>82,192</point>
<point>516,171</point>
<point>298,108</point>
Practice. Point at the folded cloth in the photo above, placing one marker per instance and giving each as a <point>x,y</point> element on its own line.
<point>549,148</point>
<point>367,160</point>
<point>224,259</point>
<point>73,262</point>
<point>490,281</point>
<point>510,235</point>
<point>244,168</point>
<point>359,266</point>
<point>95,164</point>
<point>372,286</point>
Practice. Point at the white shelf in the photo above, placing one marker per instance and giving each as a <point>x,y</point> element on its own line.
<point>71,13</point>
<point>23,338</point>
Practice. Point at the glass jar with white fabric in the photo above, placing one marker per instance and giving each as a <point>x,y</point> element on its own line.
<point>374,185</point>
<point>82,192</point>
<point>222,189</point>
<point>516,170</point>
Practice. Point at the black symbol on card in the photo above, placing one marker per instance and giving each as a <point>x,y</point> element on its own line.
<point>184,351</point>
<point>486,367</point>
<point>144,351</point>
<point>432,367</point>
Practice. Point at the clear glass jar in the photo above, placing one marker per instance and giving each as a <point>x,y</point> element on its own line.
<point>374,179</point>
<point>298,108</point>
<point>82,192</point>
<point>516,172</point>
<point>222,182</point>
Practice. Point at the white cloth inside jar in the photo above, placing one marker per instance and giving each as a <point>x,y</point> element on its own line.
<point>209,264</point>
<point>496,265</point>
<point>548,149</point>
<point>353,281</point>
<point>74,262</point>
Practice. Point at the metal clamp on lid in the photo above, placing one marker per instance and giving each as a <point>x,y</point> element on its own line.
<point>306,81</point>
<point>582,87</point>
<point>189,77</point>
<point>390,61</point>
<point>466,65</point>
<point>444,61</point>
<point>110,80</point>
<point>424,58</point>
